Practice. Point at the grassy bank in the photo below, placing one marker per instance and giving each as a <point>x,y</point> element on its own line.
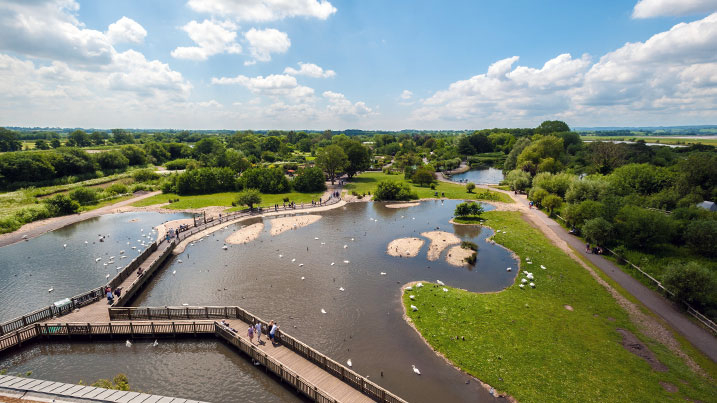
<point>526,343</point>
<point>367,182</point>
<point>222,199</point>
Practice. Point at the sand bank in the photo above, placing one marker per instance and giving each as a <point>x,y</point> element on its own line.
<point>439,241</point>
<point>246,234</point>
<point>404,247</point>
<point>283,224</point>
<point>457,255</point>
<point>402,205</point>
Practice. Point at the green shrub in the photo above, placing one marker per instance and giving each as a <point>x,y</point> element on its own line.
<point>178,164</point>
<point>470,186</point>
<point>701,235</point>
<point>309,180</point>
<point>61,204</point>
<point>145,175</point>
<point>691,283</point>
<point>116,188</point>
<point>84,195</point>
<point>391,190</point>
<point>469,245</point>
<point>468,209</point>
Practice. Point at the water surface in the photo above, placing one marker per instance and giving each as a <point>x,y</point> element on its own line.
<point>480,176</point>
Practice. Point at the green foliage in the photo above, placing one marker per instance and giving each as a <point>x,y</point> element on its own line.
<point>134,154</point>
<point>470,186</point>
<point>586,189</point>
<point>84,195</point>
<point>554,183</point>
<point>552,126</point>
<point>701,235</point>
<point>249,197</point>
<point>691,283</point>
<point>116,188</point>
<point>551,202</point>
<point>511,162</point>
<point>577,214</point>
<point>391,190</point>
<point>119,382</point>
<point>332,160</point>
<point>598,230</point>
<point>643,229</point>
<point>180,163</point>
<point>145,175</point>
<point>112,160</point>
<point>61,204</point>
<point>359,157</point>
<point>204,181</point>
<point>539,150</point>
<point>518,180</point>
<point>643,179</point>
<point>9,140</point>
<point>267,180</point>
<point>467,209</point>
<point>424,176</point>
<point>309,180</point>
<point>537,194</point>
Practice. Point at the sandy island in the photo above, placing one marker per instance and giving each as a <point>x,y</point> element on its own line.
<point>404,247</point>
<point>402,205</point>
<point>246,234</point>
<point>457,255</point>
<point>439,241</point>
<point>283,224</point>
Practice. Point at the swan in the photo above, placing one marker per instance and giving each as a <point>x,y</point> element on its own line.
<point>508,269</point>
<point>123,257</point>
<point>352,239</point>
<point>323,243</point>
<point>128,343</point>
<point>107,276</point>
<point>532,285</point>
<point>122,252</point>
<point>98,259</point>
<point>522,286</point>
<point>316,238</point>
<point>414,308</point>
<point>445,289</point>
<point>280,256</point>
<point>542,267</point>
<point>523,281</point>
<point>419,285</point>
<point>64,245</point>
<point>341,288</point>
<point>51,289</point>
<point>409,288</point>
<point>415,370</point>
<point>224,247</point>
<point>530,276</point>
<point>134,247</point>
<point>86,242</point>
<point>302,278</point>
<point>346,246</point>
<point>185,304</point>
<point>179,260</point>
<point>383,273</point>
<point>346,261</point>
<point>349,363</point>
<point>323,310</point>
<point>439,282</point>
<point>293,260</point>
<point>412,297</point>
<point>174,272</point>
<point>105,264</point>
<point>332,263</point>
<point>155,344</point>
<point>301,265</point>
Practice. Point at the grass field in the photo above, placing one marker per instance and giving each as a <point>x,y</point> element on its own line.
<point>222,199</point>
<point>656,139</point>
<point>524,342</point>
<point>367,182</point>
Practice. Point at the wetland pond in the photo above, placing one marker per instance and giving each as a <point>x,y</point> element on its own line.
<point>364,322</point>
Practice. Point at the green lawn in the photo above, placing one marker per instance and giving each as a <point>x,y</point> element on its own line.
<point>222,199</point>
<point>367,182</point>
<point>524,342</point>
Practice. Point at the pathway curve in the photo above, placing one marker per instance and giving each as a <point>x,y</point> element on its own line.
<point>37,228</point>
<point>702,339</point>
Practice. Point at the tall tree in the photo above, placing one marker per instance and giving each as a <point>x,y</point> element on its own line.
<point>358,155</point>
<point>332,160</point>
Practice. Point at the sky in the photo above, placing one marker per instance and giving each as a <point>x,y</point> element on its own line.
<point>367,64</point>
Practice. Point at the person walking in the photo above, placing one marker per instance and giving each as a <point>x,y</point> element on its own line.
<point>250,334</point>
<point>272,332</point>
<point>257,329</point>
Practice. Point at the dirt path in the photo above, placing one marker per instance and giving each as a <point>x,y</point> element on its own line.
<point>656,303</point>
<point>37,228</point>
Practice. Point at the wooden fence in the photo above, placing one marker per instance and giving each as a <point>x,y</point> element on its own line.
<point>336,369</point>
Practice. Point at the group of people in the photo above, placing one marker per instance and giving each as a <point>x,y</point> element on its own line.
<point>271,329</point>
<point>595,250</point>
<point>111,294</point>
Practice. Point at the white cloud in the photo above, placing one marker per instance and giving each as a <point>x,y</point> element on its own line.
<point>264,10</point>
<point>672,8</point>
<point>126,30</point>
<point>48,28</point>
<point>339,105</point>
<point>264,42</point>
<point>310,70</point>
<point>272,85</point>
<point>211,37</point>
<point>406,95</point>
<point>672,74</point>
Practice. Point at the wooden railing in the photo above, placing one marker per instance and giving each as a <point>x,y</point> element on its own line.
<point>341,372</point>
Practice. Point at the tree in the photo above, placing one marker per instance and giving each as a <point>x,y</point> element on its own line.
<point>480,142</point>
<point>84,195</point>
<point>41,145</point>
<point>112,160</point>
<point>309,180</point>
<point>392,190</point>
<point>639,228</point>
<point>552,126</point>
<point>55,143</point>
<point>465,147</point>
<point>9,140</point>
<point>332,160</point>
<point>467,209</point>
<point>691,283</point>
<point>423,176</point>
<point>470,186</point>
<point>97,138</point>
<point>79,138</point>
<point>606,155</point>
<point>120,136</point>
<point>701,235</point>
<point>249,197</point>
<point>537,194</point>
<point>134,154</point>
<point>551,202</point>
<point>267,180</point>
<point>61,204</point>
<point>598,230</point>
<point>358,156</point>
<point>511,162</point>
<point>518,180</point>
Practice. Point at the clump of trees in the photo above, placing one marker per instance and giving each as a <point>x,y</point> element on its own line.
<point>249,197</point>
<point>309,180</point>
<point>392,190</point>
<point>468,209</point>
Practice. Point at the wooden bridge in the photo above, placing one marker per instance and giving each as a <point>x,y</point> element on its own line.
<point>87,316</point>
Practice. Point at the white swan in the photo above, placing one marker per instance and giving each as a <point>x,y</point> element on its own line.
<point>414,308</point>
<point>522,286</point>
<point>341,288</point>
<point>174,272</point>
<point>128,343</point>
<point>179,260</point>
<point>409,288</point>
<point>316,238</point>
<point>508,269</point>
<point>524,281</point>
<point>98,259</point>
<point>349,363</point>
<point>64,245</point>
<point>332,263</point>
<point>532,285</point>
<point>346,261</point>
<point>293,260</point>
<point>419,285</point>
<point>301,265</point>
<point>383,273</point>
<point>412,297</point>
<point>51,289</point>
<point>542,267</point>
<point>445,289</point>
<point>439,282</point>
<point>280,256</point>
<point>155,344</point>
<point>302,278</point>
<point>323,310</point>
<point>224,247</point>
<point>346,246</point>
<point>415,370</point>
<point>107,276</point>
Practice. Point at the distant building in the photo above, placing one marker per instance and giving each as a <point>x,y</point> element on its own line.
<point>708,205</point>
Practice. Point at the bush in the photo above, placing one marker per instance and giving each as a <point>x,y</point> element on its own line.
<point>472,258</point>
<point>423,176</point>
<point>701,235</point>
<point>470,186</point>
<point>598,230</point>
<point>640,228</point>
<point>112,160</point>
<point>249,197</point>
<point>469,245</point>
<point>178,164</point>
<point>552,202</point>
<point>140,187</point>
<point>518,180</point>
<point>145,175</point>
<point>205,180</point>
<point>390,190</point>
<point>691,283</point>
<point>116,188</point>
<point>468,209</point>
<point>61,204</point>
<point>84,195</point>
<point>266,180</point>
<point>309,180</point>
<point>537,194</point>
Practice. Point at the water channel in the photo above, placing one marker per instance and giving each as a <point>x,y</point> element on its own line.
<point>363,323</point>
<point>487,176</point>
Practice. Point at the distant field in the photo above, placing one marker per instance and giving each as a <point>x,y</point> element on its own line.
<point>681,140</point>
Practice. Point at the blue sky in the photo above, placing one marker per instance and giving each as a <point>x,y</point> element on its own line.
<point>236,64</point>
